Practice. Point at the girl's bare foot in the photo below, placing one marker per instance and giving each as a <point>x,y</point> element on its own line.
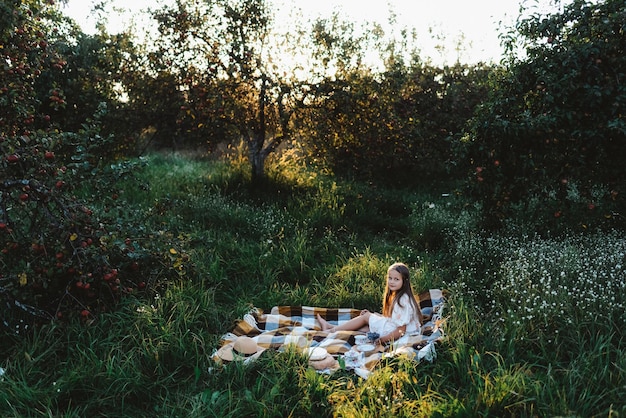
<point>323,323</point>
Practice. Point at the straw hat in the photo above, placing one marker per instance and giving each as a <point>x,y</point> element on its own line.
<point>242,348</point>
<point>317,353</point>
<point>319,359</point>
<point>327,363</point>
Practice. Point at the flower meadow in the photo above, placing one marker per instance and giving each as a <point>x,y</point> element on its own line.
<point>532,287</point>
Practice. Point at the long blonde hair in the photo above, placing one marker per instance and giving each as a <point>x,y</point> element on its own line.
<point>390,298</point>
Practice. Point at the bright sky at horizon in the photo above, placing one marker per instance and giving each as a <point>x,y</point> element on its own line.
<point>474,25</point>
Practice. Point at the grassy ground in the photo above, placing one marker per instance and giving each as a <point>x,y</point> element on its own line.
<point>535,324</point>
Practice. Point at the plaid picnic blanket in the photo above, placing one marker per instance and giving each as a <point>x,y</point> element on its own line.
<point>297,325</point>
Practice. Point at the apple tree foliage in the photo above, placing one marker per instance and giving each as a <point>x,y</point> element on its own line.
<point>25,55</point>
<point>388,118</point>
<point>397,126</point>
<point>93,69</point>
<point>554,126</point>
<point>57,257</point>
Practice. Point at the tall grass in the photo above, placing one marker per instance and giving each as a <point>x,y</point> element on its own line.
<point>534,325</point>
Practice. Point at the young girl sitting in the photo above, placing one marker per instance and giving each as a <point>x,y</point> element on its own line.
<point>401,313</point>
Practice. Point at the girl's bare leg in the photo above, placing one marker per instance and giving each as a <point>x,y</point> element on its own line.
<point>324,323</point>
<point>358,323</point>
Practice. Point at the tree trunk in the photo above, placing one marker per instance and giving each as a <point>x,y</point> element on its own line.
<point>257,162</point>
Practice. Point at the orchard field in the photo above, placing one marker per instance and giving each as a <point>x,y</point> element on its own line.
<point>534,322</point>
<point>152,194</point>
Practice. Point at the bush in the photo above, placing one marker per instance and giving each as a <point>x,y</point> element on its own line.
<point>555,118</point>
<point>396,127</point>
<point>59,257</point>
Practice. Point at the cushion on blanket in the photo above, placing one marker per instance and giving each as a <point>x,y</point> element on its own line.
<point>430,301</point>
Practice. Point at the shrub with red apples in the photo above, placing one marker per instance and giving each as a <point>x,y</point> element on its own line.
<point>59,258</point>
<point>56,255</point>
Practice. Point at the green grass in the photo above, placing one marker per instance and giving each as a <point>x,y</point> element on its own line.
<point>534,324</point>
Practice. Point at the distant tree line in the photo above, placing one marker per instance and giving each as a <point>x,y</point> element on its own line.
<point>212,74</point>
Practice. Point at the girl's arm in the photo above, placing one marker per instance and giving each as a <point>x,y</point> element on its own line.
<point>396,334</point>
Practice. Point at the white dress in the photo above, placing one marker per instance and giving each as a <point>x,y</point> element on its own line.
<point>400,316</point>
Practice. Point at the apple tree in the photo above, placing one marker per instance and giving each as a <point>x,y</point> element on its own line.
<point>57,256</point>
<point>396,123</point>
<point>226,56</point>
<point>554,125</point>
<point>92,73</point>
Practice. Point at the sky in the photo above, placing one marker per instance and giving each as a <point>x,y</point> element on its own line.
<point>476,23</point>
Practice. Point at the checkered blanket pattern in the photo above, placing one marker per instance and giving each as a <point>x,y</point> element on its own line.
<point>286,325</point>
